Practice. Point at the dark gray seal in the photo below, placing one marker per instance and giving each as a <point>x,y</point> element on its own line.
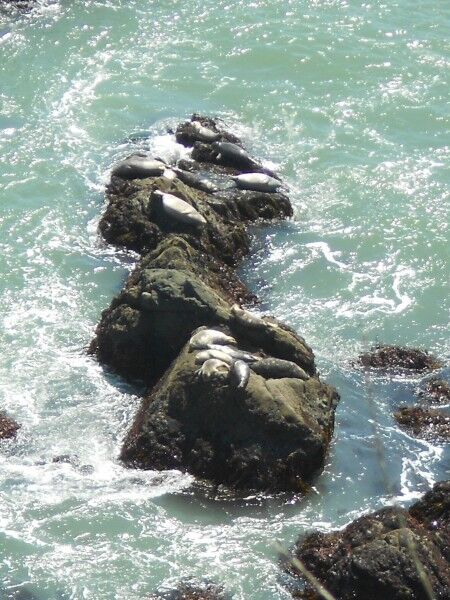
<point>239,374</point>
<point>276,368</point>
<point>234,155</point>
<point>195,181</point>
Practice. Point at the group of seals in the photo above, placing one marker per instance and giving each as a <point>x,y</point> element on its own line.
<point>140,166</point>
<point>221,359</point>
<point>179,209</point>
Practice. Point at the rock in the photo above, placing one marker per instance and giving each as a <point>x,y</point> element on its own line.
<point>383,554</point>
<point>8,427</point>
<point>192,592</point>
<point>221,434</point>
<point>148,324</point>
<point>436,391</point>
<point>425,423</point>
<point>396,357</point>
<point>185,278</point>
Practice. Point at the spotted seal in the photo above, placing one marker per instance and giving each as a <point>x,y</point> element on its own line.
<point>205,355</point>
<point>179,209</point>
<point>258,182</point>
<point>276,368</point>
<point>204,134</point>
<point>239,374</point>
<point>202,339</point>
<point>234,353</point>
<point>213,368</point>
<point>138,166</point>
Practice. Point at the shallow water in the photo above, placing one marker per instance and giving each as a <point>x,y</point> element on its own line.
<point>350,103</point>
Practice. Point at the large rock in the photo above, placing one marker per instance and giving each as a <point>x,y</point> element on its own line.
<point>272,435</point>
<point>394,554</point>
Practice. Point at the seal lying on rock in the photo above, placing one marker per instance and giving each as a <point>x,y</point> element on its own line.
<point>234,353</point>
<point>195,181</point>
<point>203,338</point>
<point>204,134</point>
<point>138,167</point>
<point>239,374</point>
<point>276,368</point>
<point>179,209</point>
<point>213,368</point>
<point>211,354</point>
<point>233,154</point>
<point>248,319</point>
<point>258,182</point>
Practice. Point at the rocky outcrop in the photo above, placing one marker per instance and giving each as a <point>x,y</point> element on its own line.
<point>8,427</point>
<point>268,428</point>
<point>394,554</point>
<point>426,423</point>
<point>396,357</point>
<point>192,592</point>
<point>271,435</point>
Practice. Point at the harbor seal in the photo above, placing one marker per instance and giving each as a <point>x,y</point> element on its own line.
<point>276,368</point>
<point>213,368</point>
<point>179,209</point>
<point>138,167</point>
<point>233,154</point>
<point>246,318</point>
<point>257,182</point>
<point>195,181</point>
<point>205,337</point>
<point>205,355</point>
<point>234,353</point>
<point>204,134</point>
<point>239,374</point>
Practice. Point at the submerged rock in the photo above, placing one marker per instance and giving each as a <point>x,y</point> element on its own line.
<point>396,357</point>
<point>271,435</point>
<point>8,427</point>
<point>436,391</point>
<point>394,554</point>
<point>193,592</point>
<point>427,423</point>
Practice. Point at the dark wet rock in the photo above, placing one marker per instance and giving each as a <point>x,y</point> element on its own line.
<point>435,391</point>
<point>425,423</point>
<point>396,357</point>
<point>433,510</point>
<point>125,222</point>
<point>193,592</point>
<point>69,459</point>
<point>8,427</point>
<point>388,554</point>
<point>272,435</point>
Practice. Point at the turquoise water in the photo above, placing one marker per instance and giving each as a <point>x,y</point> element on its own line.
<point>349,101</point>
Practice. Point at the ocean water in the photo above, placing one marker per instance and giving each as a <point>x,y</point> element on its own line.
<point>349,101</point>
